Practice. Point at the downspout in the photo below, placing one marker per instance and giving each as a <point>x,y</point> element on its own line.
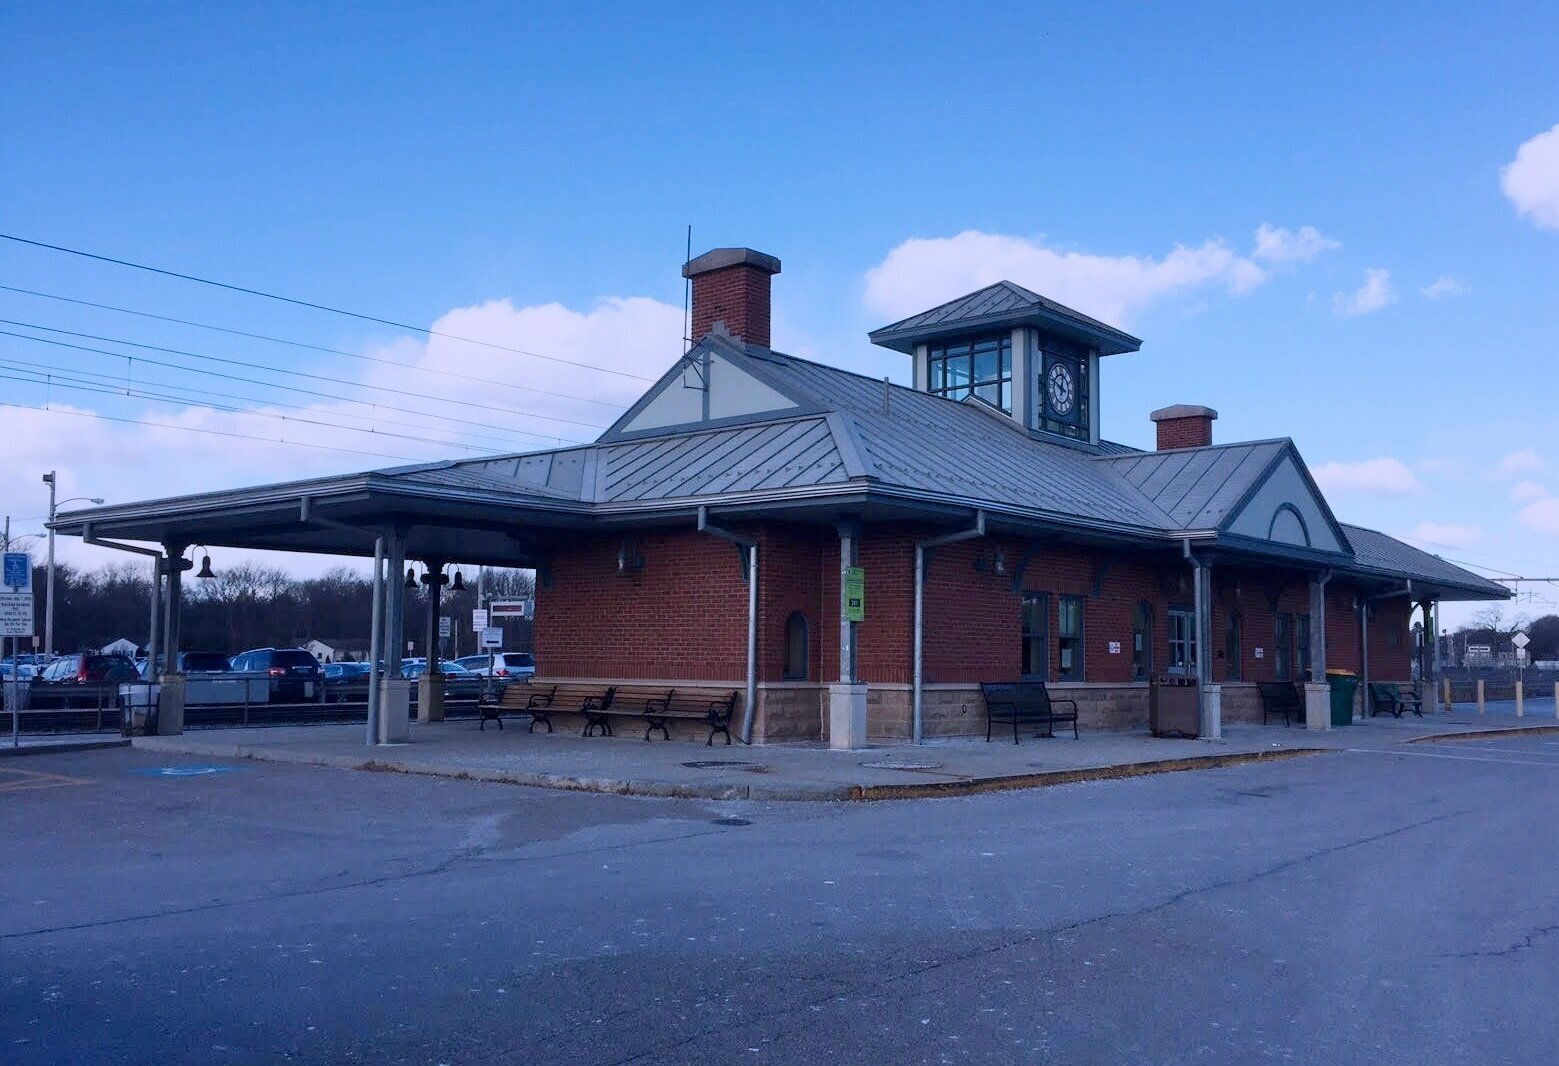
<point>751,546</point>
<point>920,606</point>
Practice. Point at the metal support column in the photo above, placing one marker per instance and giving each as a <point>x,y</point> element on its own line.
<point>1432,634</point>
<point>395,616</point>
<point>152,643</point>
<point>1364,656</point>
<point>1209,702</point>
<point>848,537</point>
<point>375,641</point>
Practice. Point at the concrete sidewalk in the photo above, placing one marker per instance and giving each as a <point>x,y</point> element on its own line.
<point>630,766</point>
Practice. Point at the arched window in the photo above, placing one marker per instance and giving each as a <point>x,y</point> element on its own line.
<point>1233,647</point>
<point>1142,642</point>
<point>796,650</point>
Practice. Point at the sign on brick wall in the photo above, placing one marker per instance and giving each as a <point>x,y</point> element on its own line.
<point>855,594</point>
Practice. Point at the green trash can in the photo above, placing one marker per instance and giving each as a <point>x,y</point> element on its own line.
<point>1343,685</point>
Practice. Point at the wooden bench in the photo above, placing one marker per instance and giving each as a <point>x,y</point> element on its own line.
<point>1281,697</point>
<point>541,702</point>
<point>713,712</point>
<point>1389,696</point>
<point>1024,702</point>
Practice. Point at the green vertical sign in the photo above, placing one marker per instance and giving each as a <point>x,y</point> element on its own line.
<point>855,594</point>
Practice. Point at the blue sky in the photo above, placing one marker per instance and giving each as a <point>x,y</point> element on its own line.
<point>424,163</point>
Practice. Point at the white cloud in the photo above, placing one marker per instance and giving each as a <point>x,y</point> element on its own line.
<point>1541,515</point>
<point>923,272</point>
<point>1519,462</point>
<point>1531,180</point>
<point>1382,477</point>
<point>1446,536</point>
<point>1441,287</point>
<point>1444,466</point>
<point>124,462</point>
<point>1375,293</point>
<point>1527,491</point>
<point>1275,244</point>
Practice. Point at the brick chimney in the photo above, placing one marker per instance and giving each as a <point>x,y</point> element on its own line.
<point>1184,425</point>
<point>731,285</point>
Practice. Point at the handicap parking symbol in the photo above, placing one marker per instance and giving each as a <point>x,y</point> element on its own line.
<point>185,771</point>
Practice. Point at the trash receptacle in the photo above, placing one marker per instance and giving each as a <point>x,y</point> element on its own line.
<point>1343,685</point>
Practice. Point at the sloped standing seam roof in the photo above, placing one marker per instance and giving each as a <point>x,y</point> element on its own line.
<point>777,455</point>
<point>1375,551</point>
<point>1197,488</point>
<point>927,444</point>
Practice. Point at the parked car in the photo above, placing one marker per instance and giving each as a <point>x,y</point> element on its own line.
<point>85,669</point>
<point>413,669</point>
<point>346,681</point>
<point>294,672</point>
<point>505,665</point>
<point>191,662</point>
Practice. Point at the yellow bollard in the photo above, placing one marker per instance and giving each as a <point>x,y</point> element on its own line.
<point>1447,701</point>
<point>1520,710</point>
<point>1480,697</point>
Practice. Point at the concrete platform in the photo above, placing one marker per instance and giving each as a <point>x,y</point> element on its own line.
<point>53,744</point>
<point>630,766</point>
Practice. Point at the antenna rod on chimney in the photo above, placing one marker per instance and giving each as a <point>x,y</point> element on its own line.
<point>887,395</point>
<point>687,297</point>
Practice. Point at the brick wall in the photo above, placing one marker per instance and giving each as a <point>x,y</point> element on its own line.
<point>1194,432</point>
<point>684,616</point>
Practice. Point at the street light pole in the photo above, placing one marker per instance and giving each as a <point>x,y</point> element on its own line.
<point>50,480</point>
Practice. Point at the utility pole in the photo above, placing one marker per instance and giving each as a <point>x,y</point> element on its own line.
<point>48,584</point>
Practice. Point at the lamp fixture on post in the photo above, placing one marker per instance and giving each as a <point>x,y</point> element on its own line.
<point>50,479</point>
<point>206,573</point>
<point>411,577</point>
<point>459,583</point>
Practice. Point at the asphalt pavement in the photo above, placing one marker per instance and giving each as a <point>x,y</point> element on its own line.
<point>1388,906</point>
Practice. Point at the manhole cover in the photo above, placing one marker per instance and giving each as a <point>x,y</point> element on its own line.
<point>896,765</point>
<point>731,821</point>
<point>710,764</point>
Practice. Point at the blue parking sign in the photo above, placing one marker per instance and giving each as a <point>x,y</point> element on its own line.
<point>17,571</point>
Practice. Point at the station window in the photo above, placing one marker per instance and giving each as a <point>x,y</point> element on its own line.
<point>1293,647</point>
<point>1069,660</point>
<point>1182,640</point>
<point>1036,634</point>
<point>978,365</point>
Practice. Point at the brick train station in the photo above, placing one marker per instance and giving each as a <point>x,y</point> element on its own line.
<point>854,558</point>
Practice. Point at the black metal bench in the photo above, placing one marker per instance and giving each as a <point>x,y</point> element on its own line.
<point>1024,702</point>
<point>1281,697</point>
<point>1389,696</point>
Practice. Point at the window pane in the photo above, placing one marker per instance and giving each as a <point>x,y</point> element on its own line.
<point>991,394</point>
<point>938,375</point>
<point>958,371</point>
<point>986,365</point>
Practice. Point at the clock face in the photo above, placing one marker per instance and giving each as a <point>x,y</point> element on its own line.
<point>1061,388</point>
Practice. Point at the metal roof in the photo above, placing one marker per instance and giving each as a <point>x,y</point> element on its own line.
<point>1377,552</point>
<point>849,441</point>
<point>998,305</point>
<point>1199,487</point>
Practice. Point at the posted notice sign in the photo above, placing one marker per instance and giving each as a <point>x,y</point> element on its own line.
<point>492,637</point>
<point>478,620</point>
<point>15,614</point>
<point>855,594</point>
<point>16,572</point>
<point>444,626</point>
<point>510,608</point>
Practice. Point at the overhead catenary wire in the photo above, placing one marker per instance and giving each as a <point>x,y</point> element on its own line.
<point>490,382</point>
<point>54,379</point>
<point>372,414</point>
<point>250,365</point>
<point>314,306</point>
<point>210,432</point>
